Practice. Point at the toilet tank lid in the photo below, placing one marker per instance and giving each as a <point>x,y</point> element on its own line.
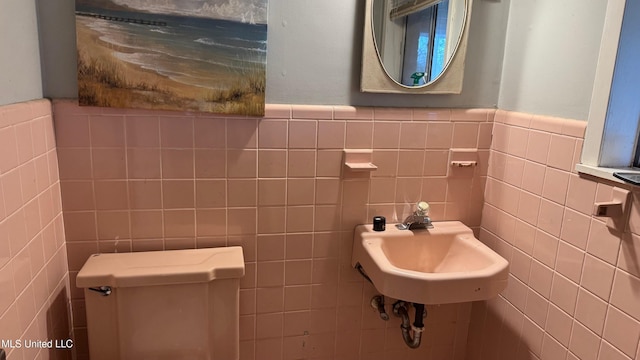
<point>161,267</point>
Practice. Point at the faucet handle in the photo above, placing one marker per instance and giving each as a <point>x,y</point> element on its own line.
<point>422,208</point>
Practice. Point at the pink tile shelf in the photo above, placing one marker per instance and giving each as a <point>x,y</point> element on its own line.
<point>359,160</point>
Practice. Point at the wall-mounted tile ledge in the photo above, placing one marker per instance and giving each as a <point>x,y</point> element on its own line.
<point>359,160</point>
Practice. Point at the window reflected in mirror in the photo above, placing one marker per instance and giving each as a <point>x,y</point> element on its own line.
<point>416,39</point>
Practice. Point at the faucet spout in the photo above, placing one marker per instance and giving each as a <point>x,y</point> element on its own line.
<point>418,220</point>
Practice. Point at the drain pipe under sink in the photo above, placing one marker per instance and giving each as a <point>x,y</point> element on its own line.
<point>400,310</point>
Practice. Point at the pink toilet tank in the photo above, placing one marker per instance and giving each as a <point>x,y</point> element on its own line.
<point>179,304</point>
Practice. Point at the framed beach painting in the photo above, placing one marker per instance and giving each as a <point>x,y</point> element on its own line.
<point>186,55</point>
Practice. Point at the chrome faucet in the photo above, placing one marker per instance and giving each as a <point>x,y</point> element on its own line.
<point>418,220</point>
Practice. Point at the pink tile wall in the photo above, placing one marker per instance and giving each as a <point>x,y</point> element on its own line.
<point>34,280</point>
<point>143,180</point>
<point>573,291</point>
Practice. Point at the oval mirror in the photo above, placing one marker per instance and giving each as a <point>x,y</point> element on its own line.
<point>414,46</point>
<point>416,39</point>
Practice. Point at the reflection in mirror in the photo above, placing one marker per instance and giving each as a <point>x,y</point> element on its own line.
<point>416,39</point>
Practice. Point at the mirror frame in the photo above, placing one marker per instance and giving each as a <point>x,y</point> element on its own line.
<point>374,77</point>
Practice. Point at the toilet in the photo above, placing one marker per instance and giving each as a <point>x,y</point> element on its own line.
<point>178,304</point>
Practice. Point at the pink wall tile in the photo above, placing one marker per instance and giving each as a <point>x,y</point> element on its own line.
<point>272,163</point>
<point>111,195</point>
<point>24,141</point>
<point>74,164</point>
<point>277,111</point>
<point>146,224</point>
<point>359,135</point>
<point>302,134</point>
<point>608,351</point>
<point>547,124</point>
<point>272,192</point>
<point>581,194</point>
<point>331,134</point>
<point>591,311</point>
<point>177,163</point>
<point>351,113</point>
<point>439,135</point>
<point>107,131</point>
<point>410,162</point>
<point>241,193</point>
<point>386,135</point>
<point>300,191</point>
<point>622,331</point>
<point>603,242</point>
<point>561,150</point>
<point>109,163</point>
<point>176,132</point>
<point>432,114</point>
<point>113,225</point>
<point>623,293</point>
<point>242,163</point>
<point>550,218</point>
<point>518,139</point>
<point>538,146</point>
<point>78,195</point>
<point>143,163</point>
<point>413,135</point>
<point>311,112</point>
<point>209,133</point>
<point>272,134</point>
<point>559,325</point>
<point>479,115</point>
<point>144,194</point>
<point>575,228</point>
<point>73,131</point>
<point>329,163</point>
<point>141,131</point>
<point>302,163</point>
<point>299,219</point>
<point>569,261</point>
<point>381,113</point>
<point>315,192</point>
<point>575,128</point>
<point>584,343</point>
<point>179,223</point>
<point>555,185</point>
<point>242,134</point>
<point>211,222</point>
<point>32,274</point>
<point>514,171</point>
<point>211,163</point>
<point>177,194</point>
<point>583,268</point>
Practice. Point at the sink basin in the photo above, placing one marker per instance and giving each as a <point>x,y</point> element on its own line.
<point>445,264</point>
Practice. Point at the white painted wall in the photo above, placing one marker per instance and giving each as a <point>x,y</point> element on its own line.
<point>20,77</point>
<point>550,56</point>
<point>313,56</point>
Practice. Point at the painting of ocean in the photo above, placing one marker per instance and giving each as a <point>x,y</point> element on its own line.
<point>186,55</point>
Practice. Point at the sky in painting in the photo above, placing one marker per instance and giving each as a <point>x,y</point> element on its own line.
<point>248,11</point>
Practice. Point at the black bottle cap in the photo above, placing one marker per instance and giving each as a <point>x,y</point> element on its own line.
<point>379,223</point>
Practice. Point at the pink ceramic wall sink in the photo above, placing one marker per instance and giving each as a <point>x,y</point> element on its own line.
<point>445,264</point>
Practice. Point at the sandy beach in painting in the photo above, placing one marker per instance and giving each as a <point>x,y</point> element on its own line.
<point>139,66</point>
<point>93,48</point>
